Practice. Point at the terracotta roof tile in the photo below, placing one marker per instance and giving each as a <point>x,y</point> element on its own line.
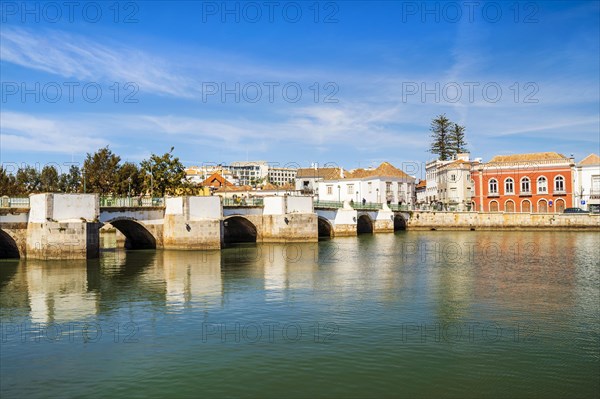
<point>535,156</point>
<point>384,170</point>
<point>592,159</point>
<point>216,180</point>
<point>323,173</point>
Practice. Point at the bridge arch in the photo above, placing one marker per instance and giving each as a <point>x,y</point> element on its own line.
<point>136,235</point>
<point>237,229</point>
<point>8,246</point>
<point>364,224</point>
<point>399,222</point>
<point>325,227</point>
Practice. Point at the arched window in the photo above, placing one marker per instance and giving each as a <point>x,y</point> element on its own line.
<point>509,206</point>
<point>494,206</point>
<point>525,185</point>
<point>542,185</point>
<point>559,184</point>
<point>560,206</point>
<point>509,186</point>
<point>542,206</point>
<point>526,206</point>
<point>493,186</point>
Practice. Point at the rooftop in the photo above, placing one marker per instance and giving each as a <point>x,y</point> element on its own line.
<point>323,173</point>
<point>386,169</point>
<point>592,159</point>
<point>535,156</point>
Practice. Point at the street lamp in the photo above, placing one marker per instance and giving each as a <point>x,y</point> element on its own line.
<point>377,190</point>
<point>357,197</point>
<point>339,196</point>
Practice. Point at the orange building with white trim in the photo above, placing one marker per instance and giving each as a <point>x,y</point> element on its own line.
<point>533,183</point>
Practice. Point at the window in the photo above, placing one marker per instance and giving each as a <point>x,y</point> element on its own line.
<point>509,186</point>
<point>559,184</point>
<point>596,184</point>
<point>370,187</point>
<point>351,189</point>
<point>542,185</point>
<point>493,185</point>
<point>388,187</point>
<point>453,177</point>
<point>525,185</point>
<point>329,189</point>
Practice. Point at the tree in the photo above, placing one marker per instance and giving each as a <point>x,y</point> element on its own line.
<point>28,179</point>
<point>129,180</point>
<point>164,174</point>
<point>49,179</point>
<point>100,171</point>
<point>8,184</point>
<point>70,182</point>
<point>440,131</point>
<point>456,139</point>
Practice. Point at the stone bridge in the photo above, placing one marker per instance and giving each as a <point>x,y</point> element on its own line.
<point>63,226</point>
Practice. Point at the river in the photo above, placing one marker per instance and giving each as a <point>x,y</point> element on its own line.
<point>412,314</point>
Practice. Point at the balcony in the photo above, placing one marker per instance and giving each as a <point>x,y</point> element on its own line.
<point>559,192</point>
<point>525,194</point>
<point>493,195</point>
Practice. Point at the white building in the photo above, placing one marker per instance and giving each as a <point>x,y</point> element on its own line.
<point>307,178</point>
<point>385,184</point>
<point>421,194</point>
<point>587,183</point>
<point>454,184</point>
<point>281,176</point>
<point>250,173</point>
<point>431,176</point>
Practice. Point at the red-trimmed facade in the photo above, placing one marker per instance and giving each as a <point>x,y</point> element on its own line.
<point>522,183</point>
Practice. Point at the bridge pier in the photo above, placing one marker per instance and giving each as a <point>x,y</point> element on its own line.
<point>192,223</point>
<point>63,226</point>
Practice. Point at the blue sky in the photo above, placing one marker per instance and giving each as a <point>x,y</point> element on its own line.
<point>372,75</point>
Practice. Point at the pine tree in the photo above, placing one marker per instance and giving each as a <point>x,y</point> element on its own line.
<point>456,140</point>
<point>440,128</point>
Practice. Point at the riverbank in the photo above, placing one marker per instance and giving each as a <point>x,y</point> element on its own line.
<point>428,220</point>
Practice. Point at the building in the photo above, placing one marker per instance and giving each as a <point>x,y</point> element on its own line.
<point>250,173</point>
<point>307,178</point>
<point>538,182</point>
<point>454,184</point>
<point>431,177</point>
<point>216,180</point>
<point>198,174</point>
<point>421,194</point>
<point>281,176</point>
<point>385,184</point>
<point>587,183</point>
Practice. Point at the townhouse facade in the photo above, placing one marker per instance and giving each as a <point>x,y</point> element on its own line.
<point>533,183</point>
<point>587,183</point>
<point>384,184</point>
<point>307,179</point>
<point>454,184</point>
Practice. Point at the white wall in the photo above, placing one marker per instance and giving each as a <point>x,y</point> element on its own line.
<point>38,207</point>
<point>73,207</point>
<point>205,208</point>
<point>174,206</point>
<point>274,205</point>
<point>299,204</point>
